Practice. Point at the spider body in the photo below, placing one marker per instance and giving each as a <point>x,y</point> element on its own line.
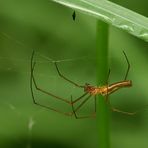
<point>106,89</point>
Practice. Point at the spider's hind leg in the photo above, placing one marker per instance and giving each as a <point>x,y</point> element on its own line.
<point>121,111</point>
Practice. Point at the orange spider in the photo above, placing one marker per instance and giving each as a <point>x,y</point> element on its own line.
<point>89,91</point>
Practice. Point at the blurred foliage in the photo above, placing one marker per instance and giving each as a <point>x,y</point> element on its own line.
<point>49,29</point>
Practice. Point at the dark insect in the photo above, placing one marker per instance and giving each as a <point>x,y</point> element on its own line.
<point>74,15</point>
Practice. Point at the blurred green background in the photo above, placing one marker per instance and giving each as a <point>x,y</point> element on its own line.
<point>48,28</point>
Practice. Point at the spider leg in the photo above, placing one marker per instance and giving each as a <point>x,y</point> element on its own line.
<point>57,97</point>
<point>53,109</point>
<point>129,113</point>
<point>121,111</point>
<point>32,81</point>
<point>48,93</point>
<point>108,101</point>
<point>62,76</point>
<point>116,109</point>
<point>128,65</point>
<point>76,100</point>
<point>39,89</point>
<point>79,106</point>
<point>74,110</point>
<point>106,97</point>
<point>34,101</point>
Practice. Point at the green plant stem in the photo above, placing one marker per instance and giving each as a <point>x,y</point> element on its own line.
<point>102,74</point>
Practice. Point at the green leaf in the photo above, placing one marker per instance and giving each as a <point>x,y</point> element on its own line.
<point>112,14</point>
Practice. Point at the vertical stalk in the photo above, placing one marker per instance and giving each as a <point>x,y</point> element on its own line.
<point>102,73</point>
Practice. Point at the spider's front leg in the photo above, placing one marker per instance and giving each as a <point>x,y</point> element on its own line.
<point>65,78</point>
<point>92,115</point>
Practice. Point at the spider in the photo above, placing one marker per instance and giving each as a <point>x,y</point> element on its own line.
<point>89,91</point>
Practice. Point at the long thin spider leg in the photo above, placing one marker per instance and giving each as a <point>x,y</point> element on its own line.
<point>69,102</point>
<point>121,111</point>
<point>73,109</point>
<point>32,81</point>
<point>32,67</point>
<point>116,109</point>
<point>60,74</point>
<point>32,78</point>
<point>48,93</point>
<point>39,89</point>
<point>82,117</point>
<point>128,64</point>
<point>76,100</point>
<point>31,87</point>
<point>82,103</point>
<point>129,113</point>
<point>106,96</point>
<point>115,89</point>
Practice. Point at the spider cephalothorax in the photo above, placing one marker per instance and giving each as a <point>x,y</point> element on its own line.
<point>88,88</point>
<point>94,90</point>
